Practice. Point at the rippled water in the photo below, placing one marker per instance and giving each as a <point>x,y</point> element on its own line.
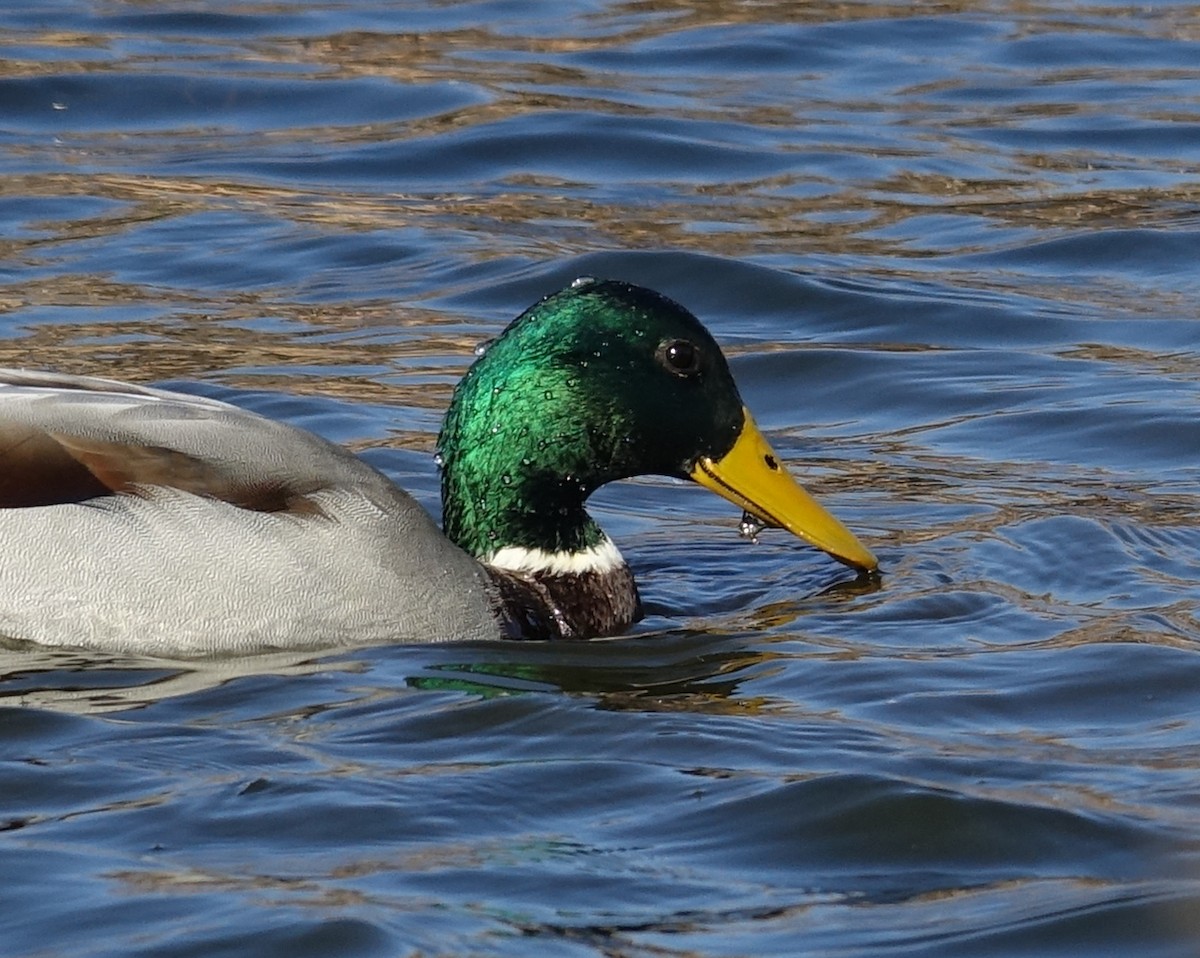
<point>952,249</point>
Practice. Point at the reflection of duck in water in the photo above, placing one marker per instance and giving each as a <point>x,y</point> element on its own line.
<point>142,520</point>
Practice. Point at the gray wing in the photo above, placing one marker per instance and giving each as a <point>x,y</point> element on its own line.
<point>72,438</point>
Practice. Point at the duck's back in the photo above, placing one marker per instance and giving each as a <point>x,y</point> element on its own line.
<point>134,519</point>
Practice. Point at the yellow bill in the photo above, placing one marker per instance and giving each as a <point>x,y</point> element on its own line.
<point>750,475</point>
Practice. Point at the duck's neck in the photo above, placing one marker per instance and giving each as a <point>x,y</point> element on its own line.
<point>563,595</point>
<point>556,574</point>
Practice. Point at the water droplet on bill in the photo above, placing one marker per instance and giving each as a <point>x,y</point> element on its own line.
<point>750,527</point>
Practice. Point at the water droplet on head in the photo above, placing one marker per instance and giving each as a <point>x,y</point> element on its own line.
<point>506,479</point>
<point>581,281</point>
<point>750,527</point>
<point>438,459</point>
<point>482,347</point>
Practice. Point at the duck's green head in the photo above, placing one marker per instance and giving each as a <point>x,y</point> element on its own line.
<point>602,381</point>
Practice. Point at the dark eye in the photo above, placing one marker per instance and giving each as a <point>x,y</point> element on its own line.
<point>680,357</point>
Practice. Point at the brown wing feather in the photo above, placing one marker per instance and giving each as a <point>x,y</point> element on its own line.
<point>35,470</point>
<point>40,468</point>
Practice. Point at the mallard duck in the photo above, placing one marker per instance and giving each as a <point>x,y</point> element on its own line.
<point>139,520</point>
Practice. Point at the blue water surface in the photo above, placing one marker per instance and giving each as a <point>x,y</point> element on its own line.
<point>951,251</point>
